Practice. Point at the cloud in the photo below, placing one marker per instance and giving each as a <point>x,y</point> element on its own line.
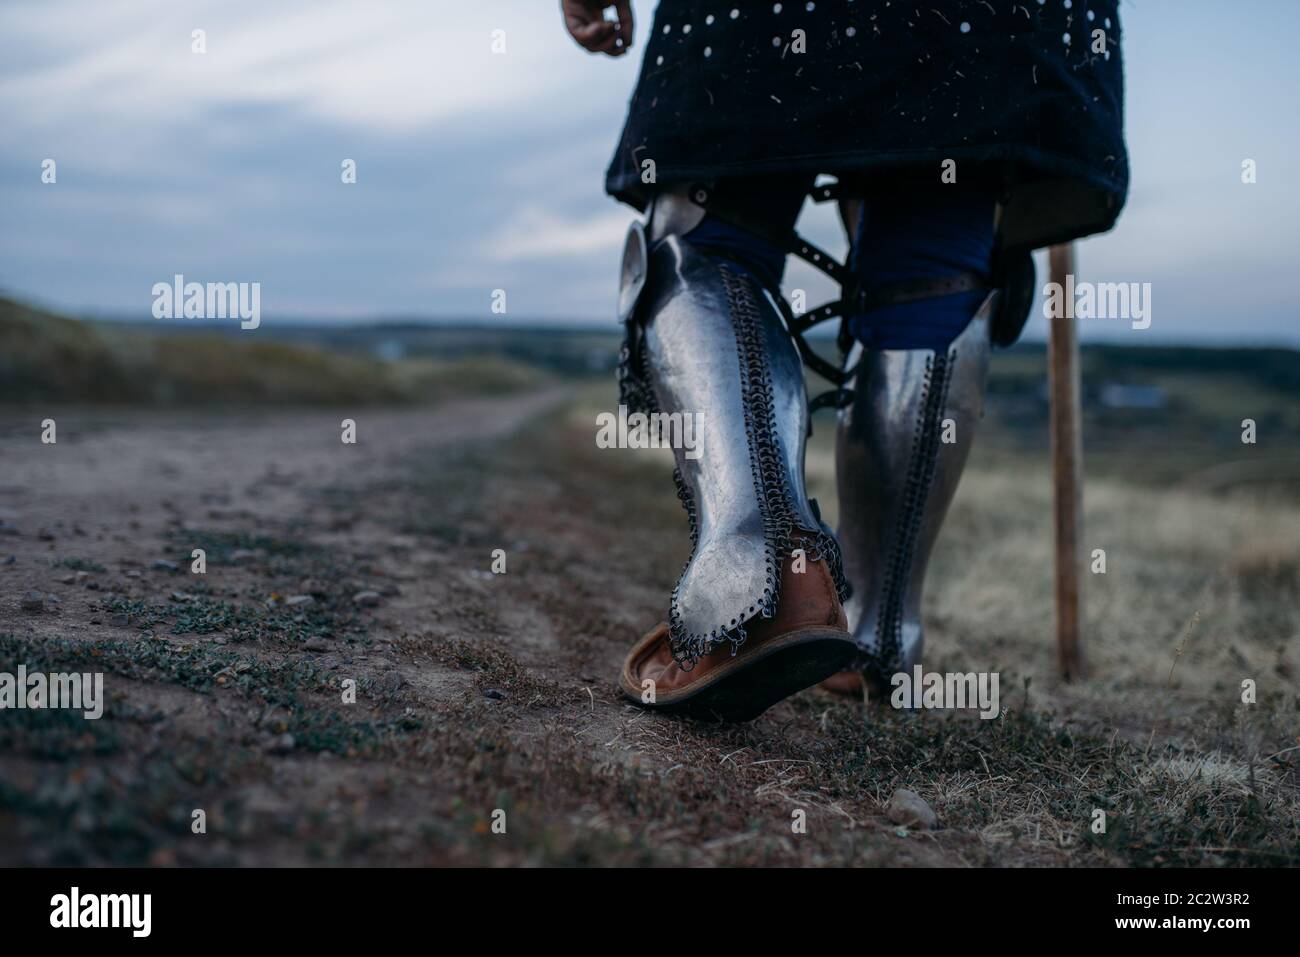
<point>389,67</point>
<point>534,232</point>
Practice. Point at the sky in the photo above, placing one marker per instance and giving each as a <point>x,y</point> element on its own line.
<point>479,171</point>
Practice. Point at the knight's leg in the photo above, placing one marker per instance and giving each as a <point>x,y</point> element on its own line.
<point>756,613</point>
<point>921,365</point>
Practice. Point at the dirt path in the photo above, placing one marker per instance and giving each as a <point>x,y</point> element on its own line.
<point>350,682</point>
<point>142,463</point>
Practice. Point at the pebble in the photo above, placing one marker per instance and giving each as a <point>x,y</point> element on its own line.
<point>120,620</point>
<point>33,601</point>
<point>295,601</point>
<point>163,565</point>
<point>316,644</point>
<point>282,744</point>
<point>367,599</point>
<point>908,809</point>
<point>496,694</point>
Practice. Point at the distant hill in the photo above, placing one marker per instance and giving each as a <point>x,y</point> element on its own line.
<point>46,357</point>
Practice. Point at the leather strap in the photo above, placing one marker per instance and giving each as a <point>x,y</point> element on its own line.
<point>913,289</point>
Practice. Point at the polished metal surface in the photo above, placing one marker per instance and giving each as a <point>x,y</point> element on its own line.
<point>673,213</point>
<point>896,477</point>
<point>714,344</point>
<point>789,409</point>
<point>631,277</point>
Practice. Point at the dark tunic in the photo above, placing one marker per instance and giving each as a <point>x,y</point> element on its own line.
<point>1012,90</point>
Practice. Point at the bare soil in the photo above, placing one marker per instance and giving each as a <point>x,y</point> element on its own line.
<point>483,698</point>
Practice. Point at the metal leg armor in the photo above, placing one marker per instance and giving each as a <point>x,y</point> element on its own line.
<point>901,445</point>
<point>705,337</point>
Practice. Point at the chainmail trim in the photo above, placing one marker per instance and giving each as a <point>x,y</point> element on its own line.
<point>783,531</point>
<point>886,660</point>
<point>634,389</point>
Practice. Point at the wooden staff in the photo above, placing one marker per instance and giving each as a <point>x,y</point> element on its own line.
<point>1067,469</point>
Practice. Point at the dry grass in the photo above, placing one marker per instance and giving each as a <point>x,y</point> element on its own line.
<point>498,692</point>
<point>49,358</point>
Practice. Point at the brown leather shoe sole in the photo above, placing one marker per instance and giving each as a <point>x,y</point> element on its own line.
<point>744,686</point>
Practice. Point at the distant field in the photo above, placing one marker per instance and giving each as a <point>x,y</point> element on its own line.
<point>1202,394</point>
<point>50,358</point>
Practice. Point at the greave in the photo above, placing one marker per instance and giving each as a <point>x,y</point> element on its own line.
<point>901,445</point>
<point>708,339</point>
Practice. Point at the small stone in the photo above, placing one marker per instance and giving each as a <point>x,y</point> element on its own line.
<point>496,694</point>
<point>11,560</point>
<point>367,599</point>
<point>316,644</point>
<point>45,535</point>
<point>242,555</point>
<point>120,620</point>
<point>33,601</point>
<point>908,809</point>
<point>282,744</point>
<point>163,565</point>
<point>296,601</point>
<point>68,580</point>
<point>390,590</point>
<point>133,574</point>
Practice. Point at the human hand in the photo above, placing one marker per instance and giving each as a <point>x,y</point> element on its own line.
<point>586,23</point>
